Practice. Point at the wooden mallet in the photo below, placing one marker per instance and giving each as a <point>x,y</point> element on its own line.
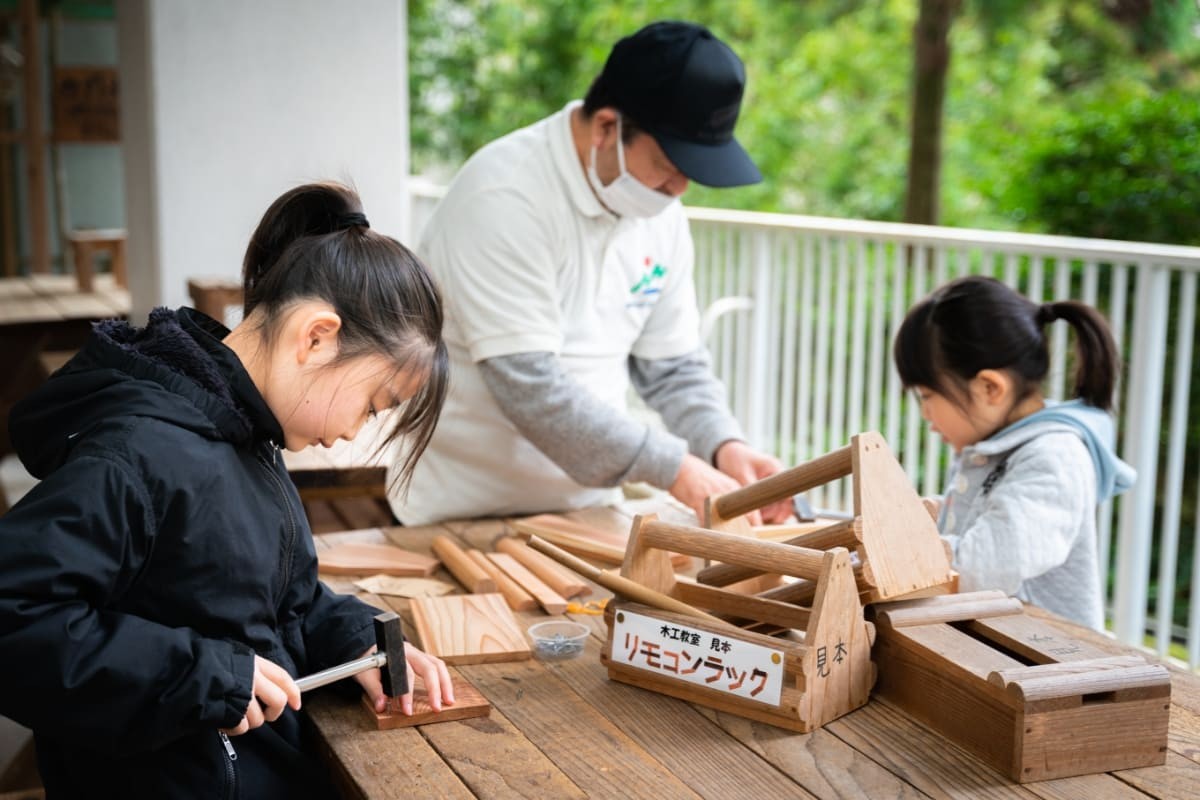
<point>389,658</point>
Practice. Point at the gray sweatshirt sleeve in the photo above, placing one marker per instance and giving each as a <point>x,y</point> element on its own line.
<point>592,442</point>
<point>690,399</point>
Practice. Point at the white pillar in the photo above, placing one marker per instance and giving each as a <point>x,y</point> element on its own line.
<point>225,105</point>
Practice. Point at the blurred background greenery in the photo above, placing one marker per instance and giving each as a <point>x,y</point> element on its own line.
<point>1062,116</point>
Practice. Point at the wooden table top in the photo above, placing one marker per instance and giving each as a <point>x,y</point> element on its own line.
<point>564,730</point>
<point>56,298</point>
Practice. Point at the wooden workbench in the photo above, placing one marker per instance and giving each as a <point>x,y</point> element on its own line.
<point>563,730</point>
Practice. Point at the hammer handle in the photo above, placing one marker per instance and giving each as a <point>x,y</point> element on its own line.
<point>341,671</point>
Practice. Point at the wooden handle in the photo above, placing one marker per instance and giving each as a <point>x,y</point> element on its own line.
<point>619,585</point>
<point>468,573</point>
<point>517,598</point>
<point>841,534</point>
<point>801,478</point>
<point>731,548</point>
<point>554,576</point>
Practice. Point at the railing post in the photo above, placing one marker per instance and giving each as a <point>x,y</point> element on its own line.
<point>1142,415</point>
<point>760,343</point>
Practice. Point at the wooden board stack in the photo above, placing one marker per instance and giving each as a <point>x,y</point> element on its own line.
<point>1016,692</point>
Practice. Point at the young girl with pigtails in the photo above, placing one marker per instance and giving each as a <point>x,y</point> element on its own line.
<point>1019,512</point>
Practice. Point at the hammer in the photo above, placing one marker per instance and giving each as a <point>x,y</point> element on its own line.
<point>389,657</point>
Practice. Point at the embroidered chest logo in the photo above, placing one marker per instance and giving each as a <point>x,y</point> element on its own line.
<point>647,289</point>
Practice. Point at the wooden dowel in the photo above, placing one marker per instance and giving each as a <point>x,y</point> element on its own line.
<point>468,573</point>
<point>517,598</point>
<point>731,548</point>
<point>618,584</point>
<point>801,478</point>
<point>841,534</point>
<point>554,576</point>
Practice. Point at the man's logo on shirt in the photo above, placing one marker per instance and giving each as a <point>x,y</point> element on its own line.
<point>646,291</point>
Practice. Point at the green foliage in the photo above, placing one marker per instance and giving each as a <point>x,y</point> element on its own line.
<point>1121,171</point>
<point>826,114</point>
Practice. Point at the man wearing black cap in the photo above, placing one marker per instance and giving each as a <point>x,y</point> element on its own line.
<point>565,260</point>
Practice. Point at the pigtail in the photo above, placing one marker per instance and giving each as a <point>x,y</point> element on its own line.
<point>1097,359</point>
<point>310,210</point>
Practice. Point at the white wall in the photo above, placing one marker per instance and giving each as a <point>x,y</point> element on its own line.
<point>227,104</point>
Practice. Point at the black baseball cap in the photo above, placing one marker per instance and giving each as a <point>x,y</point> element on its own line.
<point>684,87</point>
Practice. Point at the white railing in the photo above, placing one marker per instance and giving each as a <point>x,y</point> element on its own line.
<point>805,352</point>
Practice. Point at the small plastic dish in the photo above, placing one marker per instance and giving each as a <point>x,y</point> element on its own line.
<point>558,639</point>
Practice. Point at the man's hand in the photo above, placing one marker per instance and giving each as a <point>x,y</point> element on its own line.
<point>746,465</point>
<point>697,481</point>
<point>273,690</point>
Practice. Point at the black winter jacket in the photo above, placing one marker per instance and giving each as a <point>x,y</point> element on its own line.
<point>163,547</point>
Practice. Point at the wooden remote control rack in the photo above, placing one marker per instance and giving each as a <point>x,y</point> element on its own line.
<point>895,539</point>
<point>799,683</point>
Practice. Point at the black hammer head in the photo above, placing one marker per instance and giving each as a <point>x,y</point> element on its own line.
<point>389,639</point>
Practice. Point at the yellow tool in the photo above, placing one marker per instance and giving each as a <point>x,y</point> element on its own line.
<point>593,607</point>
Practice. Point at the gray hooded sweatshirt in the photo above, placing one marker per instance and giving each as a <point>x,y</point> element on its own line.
<point>1020,509</point>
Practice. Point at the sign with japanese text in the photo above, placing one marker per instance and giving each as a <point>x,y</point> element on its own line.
<point>707,659</point>
<point>85,104</point>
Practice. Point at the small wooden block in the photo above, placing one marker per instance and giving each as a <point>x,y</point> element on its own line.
<point>374,559</point>
<point>468,702</point>
<point>469,629</point>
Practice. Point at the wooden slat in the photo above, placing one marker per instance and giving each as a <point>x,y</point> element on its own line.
<point>469,629</point>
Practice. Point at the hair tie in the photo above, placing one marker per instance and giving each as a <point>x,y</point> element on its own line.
<point>1046,314</point>
<point>351,219</point>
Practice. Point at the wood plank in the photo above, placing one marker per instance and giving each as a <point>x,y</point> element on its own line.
<point>517,598</point>
<point>469,629</point>
<point>1184,733</point>
<point>819,761</point>
<point>468,703</point>
<point>573,733</point>
<point>495,759</point>
<point>24,310</point>
<point>557,578</point>
<point>1178,779</point>
<point>361,512</point>
<point>346,558</point>
<point>550,600</point>
<point>351,745</point>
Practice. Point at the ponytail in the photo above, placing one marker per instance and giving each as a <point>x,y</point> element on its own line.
<point>314,243</point>
<point>976,323</point>
<point>1096,352</point>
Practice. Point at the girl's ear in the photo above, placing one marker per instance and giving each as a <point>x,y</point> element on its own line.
<point>316,337</point>
<point>992,387</point>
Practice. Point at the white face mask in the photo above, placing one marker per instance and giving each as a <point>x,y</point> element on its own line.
<point>626,196</point>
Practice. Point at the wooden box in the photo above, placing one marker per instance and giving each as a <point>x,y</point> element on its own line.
<point>1015,691</point>
<point>818,670</point>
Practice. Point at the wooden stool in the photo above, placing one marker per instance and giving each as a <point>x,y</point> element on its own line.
<point>212,296</point>
<point>84,246</point>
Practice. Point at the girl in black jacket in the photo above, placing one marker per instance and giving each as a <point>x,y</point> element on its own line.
<point>158,587</point>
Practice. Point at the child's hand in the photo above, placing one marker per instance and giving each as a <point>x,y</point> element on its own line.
<point>273,690</point>
<point>433,674</point>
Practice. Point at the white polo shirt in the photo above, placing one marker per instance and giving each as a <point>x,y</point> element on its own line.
<point>528,260</point>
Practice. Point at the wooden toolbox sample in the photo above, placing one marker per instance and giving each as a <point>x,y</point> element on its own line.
<point>819,671</point>
<point>1015,691</point>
